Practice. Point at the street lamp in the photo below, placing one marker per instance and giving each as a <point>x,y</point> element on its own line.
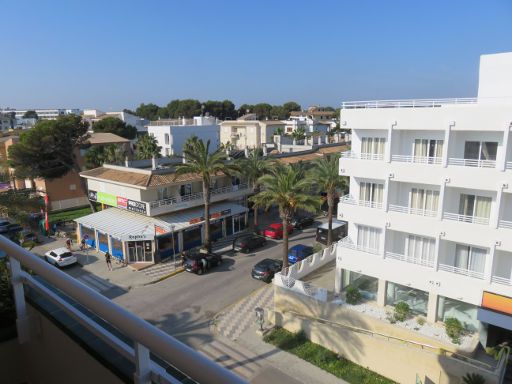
<point>260,316</point>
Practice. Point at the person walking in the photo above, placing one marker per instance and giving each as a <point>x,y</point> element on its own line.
<point>108,260</point>
<point>82,244</point>
<point>68,243</point>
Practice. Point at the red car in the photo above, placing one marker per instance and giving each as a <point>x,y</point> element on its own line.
<point>275,230</point>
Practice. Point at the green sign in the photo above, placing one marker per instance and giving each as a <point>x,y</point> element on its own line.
<point>107,198</point>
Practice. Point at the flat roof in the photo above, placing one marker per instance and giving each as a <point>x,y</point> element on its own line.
<point>122,224</point>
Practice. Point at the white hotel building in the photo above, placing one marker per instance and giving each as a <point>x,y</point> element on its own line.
<point>430,204</point>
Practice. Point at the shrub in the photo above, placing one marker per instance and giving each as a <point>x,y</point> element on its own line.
<point>353,295</point>
<point>420,320</point>
<point>473,378</point>
<point>454,329</point>
<point>402,311</point>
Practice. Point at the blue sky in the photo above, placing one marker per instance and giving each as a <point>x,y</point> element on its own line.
<point>117,54</point>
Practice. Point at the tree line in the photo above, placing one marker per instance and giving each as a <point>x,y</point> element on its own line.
<point>223,110</point>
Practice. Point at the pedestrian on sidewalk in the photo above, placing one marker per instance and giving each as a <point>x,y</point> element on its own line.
<point>108,260</point>
<point>69,242</point>
<point>82,244</point>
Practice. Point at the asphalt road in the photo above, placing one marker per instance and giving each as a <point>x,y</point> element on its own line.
<point>183,305</point>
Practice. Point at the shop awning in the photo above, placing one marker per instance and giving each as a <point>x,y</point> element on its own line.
<point>129,226</point>
<point>498,319</point>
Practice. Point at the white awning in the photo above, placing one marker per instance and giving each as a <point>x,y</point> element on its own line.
<point>128,226</point>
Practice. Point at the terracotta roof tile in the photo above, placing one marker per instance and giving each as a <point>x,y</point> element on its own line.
<point>133,178</point>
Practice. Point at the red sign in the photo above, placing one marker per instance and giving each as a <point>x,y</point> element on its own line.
<point>122,202</point>
<point>215,215</point>
<point>195,220</point>
<point>160,230</point>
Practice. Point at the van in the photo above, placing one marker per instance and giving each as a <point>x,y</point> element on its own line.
<point>339,231</point>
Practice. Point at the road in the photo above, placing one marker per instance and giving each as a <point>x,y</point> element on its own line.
<point>184,304</point>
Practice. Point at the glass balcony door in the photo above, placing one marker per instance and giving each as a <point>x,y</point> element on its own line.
<point>372,148</point>
<point>368,238</point>
<point>472,206</point>
<point>423,201</point>
<point>371,194</point>
<point>470,258</point>
<point>480,150</point>
<point>420,249</point>
<point>427,151</point>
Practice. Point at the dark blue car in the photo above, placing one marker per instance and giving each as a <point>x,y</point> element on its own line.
<point>299,252</point>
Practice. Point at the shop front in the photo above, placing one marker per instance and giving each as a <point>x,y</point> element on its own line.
<point>140,251</point>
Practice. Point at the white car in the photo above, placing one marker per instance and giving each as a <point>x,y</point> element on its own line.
<point>60,257</point>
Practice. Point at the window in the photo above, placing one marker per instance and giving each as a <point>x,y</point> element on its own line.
<point>72,187</point>
<point>428,151</point>
<point>421,249</point>
<point>166,151</point>
<point>163,193</point>
<point>371,194</point>
<point>480,150</point>
<point>466,313</point>
<point>372,147</point>
<point>422,201</point>
<point>368,237</point>
<point>473,206</point>
<point>415,298</point>
<point>185,189</point>
<point>470,258</point>
<point>166,138</point>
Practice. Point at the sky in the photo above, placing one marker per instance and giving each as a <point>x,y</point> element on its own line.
<point>114,54</point>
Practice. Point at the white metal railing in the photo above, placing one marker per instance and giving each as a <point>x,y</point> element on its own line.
<point>362,156</point>
<point>348,199</point>
<point>461,271</point>
<point>466,219</point>
<point>508,165</point>
<point>416,159</point>
<point>414,103</point>
<point>347,242</point>
<point>146,337</point>
<point>197,195</point>
<point>501,280</point>
<point>472,163</point>
<point>410,259</point>
<point>505,224</point>
<point>412,211</point>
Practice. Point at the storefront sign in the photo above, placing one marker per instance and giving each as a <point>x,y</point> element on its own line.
<point>160,230</point>
<point>93,195</point>
<point>106,198</point>
<point>139,237</point>
<point>496,302</point>
<point>214,215</point>
<point>225,212</point>
<point>122,202</point>
<point>136,206</point>
<point>196,220</point>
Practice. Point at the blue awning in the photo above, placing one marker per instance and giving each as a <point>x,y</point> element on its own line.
<point>495,318</point>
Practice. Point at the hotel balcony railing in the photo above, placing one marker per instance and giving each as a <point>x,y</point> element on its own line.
<point>472,163</point>
<point>362,156</point>
<point>410,259</point>
<point>86,306</point>
<point>413,103</point>
<point>501,280</point>
<point>412,211</point>
<point>461,271</point>
<point>347,242</point>
<point>466,219</point>
<point>197,195</point>
<point>416,159</point>
<point>509,165</point>
<point>348,199</point>
<point>505,224</point>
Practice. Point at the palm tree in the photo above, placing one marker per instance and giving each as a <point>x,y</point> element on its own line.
<point>147,147</point>
<point>252,168</point>
<point>198,159</point>
<point>287,187</point>
<point>98,155</point>
<point>325,174</point>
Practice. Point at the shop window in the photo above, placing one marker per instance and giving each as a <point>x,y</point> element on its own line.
<point>238,223</point>
<point>117,248</point>
<point>416,299</point>
<point>464,312</point>
<point>216,229</point>
<point>88,235</point>
<point>140,251</point>
<point>367,285</point>
<point>168,245</point>
<point>185,189</point>
<point>102,241</point>
<point>192,238</point>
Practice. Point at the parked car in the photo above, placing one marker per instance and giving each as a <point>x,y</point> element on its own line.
<point>27,235</point>
<point>200,262</point>
<point>4,226</point>
<point>247,243</point>
<point>339,231</point>
<point>60,257</point>
<point>299,252</point>
<point>265,269</point>
<point>275,230</point>
<point>300,222</point>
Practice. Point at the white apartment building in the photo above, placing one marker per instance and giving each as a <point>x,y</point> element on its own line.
<point>430,204</point>
<point>171,135</point>
<point>94,115</point>
<point>251,133</point>
<point>47,114</point>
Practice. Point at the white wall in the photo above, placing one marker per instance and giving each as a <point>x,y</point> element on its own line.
<point>495,78</point>
<point>114,189</point>
<point>179,134</point>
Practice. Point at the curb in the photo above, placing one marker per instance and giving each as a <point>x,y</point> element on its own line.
<point>173,273</point>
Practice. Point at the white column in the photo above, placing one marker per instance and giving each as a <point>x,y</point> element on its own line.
<point>337,279</point>
<point>142,373</point>
<point>22,323</point>
<point>495,212</point>
<point>440,208</point>
<point>446,145</point>
<point>383,241</point>
<point>436,252</point>
<point>381,292</point>
<point>389,141</point>
<point>503,164</point>
<point>386,192</point>
<point>432,307</point>
<point>489,262</point>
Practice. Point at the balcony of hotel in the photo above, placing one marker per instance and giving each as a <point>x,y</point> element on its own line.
<point>410,248</point>
<point>347,242</point>
<point>502,268</point>
<point>66,332</point>
<point>414,199</point>
<point>505,217</point>
<point>475,149</point>
<point>469,206</point>
<point>189,200</point>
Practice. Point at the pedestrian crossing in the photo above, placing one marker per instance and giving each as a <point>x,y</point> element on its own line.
<point>95,282</point>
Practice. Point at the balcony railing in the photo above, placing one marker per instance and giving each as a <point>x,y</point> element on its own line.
<point>412,211</point>
<point>197,195</point>
<point>461,271</point>
<point>509,165</point>
<point>501,280</point>
<point>472,163</point>
<point>347,242</point>
<point>362,156</point>
<point>505,224</point>
<point>145,339</point>
<point>348,199</point>
<point>410,259</point>
<point>416,159</point>
<point>466,219</point>
<point>415,103</point>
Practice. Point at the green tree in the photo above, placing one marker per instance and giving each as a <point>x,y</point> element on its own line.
<point>126,110</point>
<point>98,155</point>
<point>116,126</point>
<point>147,111</point>
<point>147,147</point>
<point>325,174</point>
<point>263,111</point>
<point>291,106</point>
<point>49,149</point>
<point>253,168</point>
<point>279,131</point>
<point>299,133</point>
<point>188,108</point>
<point>198,160</point>
<point>287,187</point>
<point>245,109</point>
<point>30,115</point>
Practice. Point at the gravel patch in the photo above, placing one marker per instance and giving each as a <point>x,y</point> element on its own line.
<point>435,331</point>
